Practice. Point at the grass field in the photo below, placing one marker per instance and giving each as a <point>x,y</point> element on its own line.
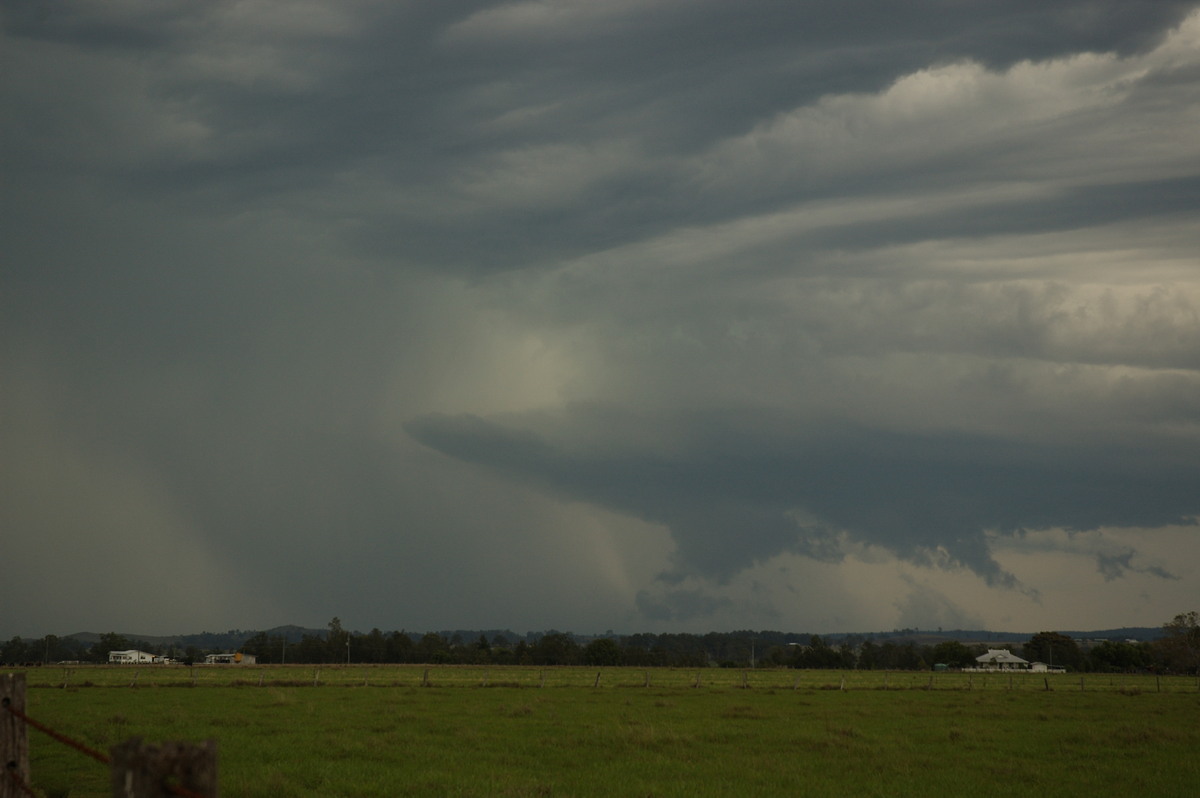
<point>534,732</point>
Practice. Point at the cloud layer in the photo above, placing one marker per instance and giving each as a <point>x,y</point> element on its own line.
<point>600,314</point>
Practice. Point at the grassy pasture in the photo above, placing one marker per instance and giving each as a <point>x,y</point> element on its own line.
<point>515,737</point>
<point>532,676</point>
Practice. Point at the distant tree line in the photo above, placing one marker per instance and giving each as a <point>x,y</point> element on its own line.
<point>1177,651</point>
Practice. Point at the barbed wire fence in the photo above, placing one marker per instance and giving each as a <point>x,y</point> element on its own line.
<point>137,769</point>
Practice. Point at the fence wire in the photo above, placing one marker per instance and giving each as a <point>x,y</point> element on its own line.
<point>18,779</point>
<point>102,758</point>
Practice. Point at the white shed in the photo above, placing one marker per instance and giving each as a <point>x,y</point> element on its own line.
<point>130,657</point>
<point>1042,667</point>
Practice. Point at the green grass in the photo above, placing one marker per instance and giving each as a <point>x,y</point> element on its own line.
<point>533,676</point>
<point>395,737</point>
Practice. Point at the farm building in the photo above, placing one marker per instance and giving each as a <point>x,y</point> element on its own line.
<point>999,659</point>
<point>1042,667</point>
<point>132,656</point>
<point>230,659</point>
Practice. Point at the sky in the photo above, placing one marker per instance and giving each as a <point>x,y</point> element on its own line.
<point>641,315</point>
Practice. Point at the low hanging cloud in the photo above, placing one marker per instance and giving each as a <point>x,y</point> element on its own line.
<point>731,499</point>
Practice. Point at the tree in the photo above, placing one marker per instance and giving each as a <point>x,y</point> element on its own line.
<point>260,646</point>
<point>555,648</point>
<point>868,655</point>
<point>433,649</point>
<point>14,652</point>
<point>310,649</point>
<point>110,641</point>
<point>1054,648</point>
<point>818,654</point>
<point>372,647</point>
<point>602,651</point>
<point>399,647</point>
<point>1118,657</point>
<point>953,653</point>
<point>1180,644</point>
<point>338,642</point>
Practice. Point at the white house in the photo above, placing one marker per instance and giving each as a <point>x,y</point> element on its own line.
<point>999,659</point>
<point>230,659</point>
<point>131,657</point>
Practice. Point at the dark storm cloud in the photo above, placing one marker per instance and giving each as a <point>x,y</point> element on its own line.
<point>679,605</point>
<point>1090,206</point>
<point>1116,564</point>
<point>422,94</point>
<point>732,500</point>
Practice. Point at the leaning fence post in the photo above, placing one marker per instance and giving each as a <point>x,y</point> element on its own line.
<point>14,740</point>
<point>148,770</point>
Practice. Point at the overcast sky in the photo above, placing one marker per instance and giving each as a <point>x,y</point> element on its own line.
<point>641,315</point>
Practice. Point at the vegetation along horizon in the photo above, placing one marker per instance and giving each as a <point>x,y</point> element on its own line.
<point>363,730</point>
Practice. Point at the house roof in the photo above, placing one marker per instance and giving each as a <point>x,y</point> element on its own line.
<point>1001,656</point>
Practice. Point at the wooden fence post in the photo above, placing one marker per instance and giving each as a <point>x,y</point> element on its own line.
<point>14,740</point>
<point>147,770</point>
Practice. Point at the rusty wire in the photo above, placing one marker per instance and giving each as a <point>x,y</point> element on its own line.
<point>11,769</point>
<point>102,758</point>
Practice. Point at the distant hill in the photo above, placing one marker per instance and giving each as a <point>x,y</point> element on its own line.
<point>927,637</point>
<point>235,638</point>
<point>1140,633</point>
<point>232,639</point>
